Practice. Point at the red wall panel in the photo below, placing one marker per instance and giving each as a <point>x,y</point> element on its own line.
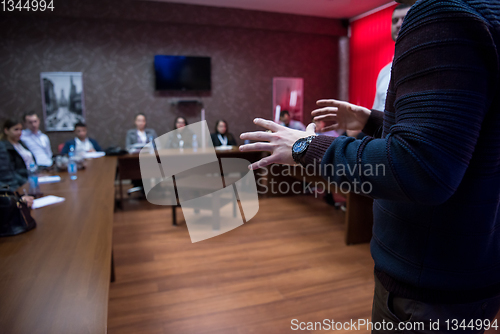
<point>371,48</point>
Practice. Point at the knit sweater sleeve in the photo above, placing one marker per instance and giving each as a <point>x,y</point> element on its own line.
<point>374,124</point>
<point>444,75</point>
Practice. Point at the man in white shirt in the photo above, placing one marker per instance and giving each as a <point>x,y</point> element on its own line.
<point>382,85</point>
<point>290,123</point>
<point>385,74</point>
<point>36,141</point>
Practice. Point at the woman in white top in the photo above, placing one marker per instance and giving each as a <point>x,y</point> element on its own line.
<point>139,136</point>
<point>20,157</point>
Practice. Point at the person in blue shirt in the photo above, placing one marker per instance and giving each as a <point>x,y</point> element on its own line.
<point>81,142</point>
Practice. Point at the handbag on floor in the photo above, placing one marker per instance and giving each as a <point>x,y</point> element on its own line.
<point>15,217</point>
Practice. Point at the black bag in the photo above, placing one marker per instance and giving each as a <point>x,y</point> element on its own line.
<point>115,150</point>
<point>15,217</point>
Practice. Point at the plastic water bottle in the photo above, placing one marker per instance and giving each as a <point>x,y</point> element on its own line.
<point>33,179</point>
<point>151,147</point>
<point>195,143</point>
<point>72,166</point>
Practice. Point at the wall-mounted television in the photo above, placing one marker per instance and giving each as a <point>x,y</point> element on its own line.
<point>182,73</point>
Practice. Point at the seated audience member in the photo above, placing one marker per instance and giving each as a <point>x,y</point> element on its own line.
<point>81,142</point>
<point>8,177</point>
<point>180,137</point>
<point>290,123</point>
<point>139,135</point>
<point>320,125</point>
<point>37,142</point>
<point>222,137</point>
<point>18,157</point>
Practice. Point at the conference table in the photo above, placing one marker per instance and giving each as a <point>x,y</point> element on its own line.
<point>55,278</point>
<point>129,165</point>
<point>359,214</point>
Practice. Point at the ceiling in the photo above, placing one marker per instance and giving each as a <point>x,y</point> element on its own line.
<point>322,8</point>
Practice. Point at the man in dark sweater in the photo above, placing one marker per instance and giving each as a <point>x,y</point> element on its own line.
<point>436,233</point>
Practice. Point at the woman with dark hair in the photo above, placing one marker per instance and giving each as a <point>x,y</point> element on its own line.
<point>181,137</point>
<point>180,122</point>
<point>222,137</point>
<point>19,156</point>
<point>140,136</point>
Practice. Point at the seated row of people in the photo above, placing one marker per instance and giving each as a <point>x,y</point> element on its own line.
<point>21,148</point>
<point>180,137</point>
<point>34,146</point>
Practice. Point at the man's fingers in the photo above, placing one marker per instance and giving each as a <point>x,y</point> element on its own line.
<point>257,147</point>
<point>326,118</point>
<point>324,111</point>
<point>311,128</point>
<point>261,163</point>
<point>270,125</point>
<point>257,136</point>
<point>330,128</point>
<point>329,102</point>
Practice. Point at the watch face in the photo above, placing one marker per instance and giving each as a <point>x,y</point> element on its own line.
<point>300,146</point>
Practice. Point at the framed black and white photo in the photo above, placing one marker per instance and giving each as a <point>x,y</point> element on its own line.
<point>62,100</point>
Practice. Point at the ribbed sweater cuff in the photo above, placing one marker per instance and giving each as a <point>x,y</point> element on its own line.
<point>316,151</point>
<point>375,121</point>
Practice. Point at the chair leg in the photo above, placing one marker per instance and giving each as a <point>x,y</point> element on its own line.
<point>121,194</point>
<point>174,215</point>
<point>234,207</point>
<point>112,267</point>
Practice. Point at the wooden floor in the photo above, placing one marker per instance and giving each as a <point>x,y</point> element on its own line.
<point>289,262</point>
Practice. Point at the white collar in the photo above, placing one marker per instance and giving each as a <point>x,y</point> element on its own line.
<point>222,139</point>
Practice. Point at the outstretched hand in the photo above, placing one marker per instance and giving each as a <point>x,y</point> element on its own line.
<point>341,115</point>
<point>278,140</point>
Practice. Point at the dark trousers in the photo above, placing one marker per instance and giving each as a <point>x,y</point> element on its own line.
<point>411,316</point>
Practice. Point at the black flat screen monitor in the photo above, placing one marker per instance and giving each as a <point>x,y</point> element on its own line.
<point>181,73</point>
